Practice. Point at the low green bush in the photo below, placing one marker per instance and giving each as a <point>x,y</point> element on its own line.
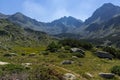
<point>67,47</point>
<point>118,54</point>
<point>53,47</point>
<point>45,73</point>
<point>116,70</point>
<point>13,68</point>
<point>45,53</point>
<point>111,50</point>
<point>7,55</point>
<point>76,43</point>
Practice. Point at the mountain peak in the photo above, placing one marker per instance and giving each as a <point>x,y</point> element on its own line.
<point>68,21</point>
<point>104,13</point>
<point>67,17</point>
<point>108,4</point>
<point>18,13</point>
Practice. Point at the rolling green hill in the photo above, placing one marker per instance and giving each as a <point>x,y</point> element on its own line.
<point>13,35</point>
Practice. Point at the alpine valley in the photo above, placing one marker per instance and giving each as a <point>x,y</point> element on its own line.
<point>64,49</point>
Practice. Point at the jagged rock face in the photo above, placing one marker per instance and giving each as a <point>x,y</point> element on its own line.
<point>3,16</point>
<point>104,13</point>
<point>62,25</point>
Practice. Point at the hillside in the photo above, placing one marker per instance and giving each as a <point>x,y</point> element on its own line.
<point>13,35</point>
<point>99,18</point>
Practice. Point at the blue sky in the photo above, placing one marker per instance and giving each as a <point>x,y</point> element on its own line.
<point>48,10</point>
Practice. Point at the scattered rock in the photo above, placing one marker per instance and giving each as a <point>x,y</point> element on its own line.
<point>32,54</point>
<point>67,62</point>
<point>107,75</point>
<point>69,76</point>
<point>75,57</point>
<point>88,75</point>
<point>77,50</point>
<point>13,54</point>
<point>102,54</point>
<point>114,35</point>
<point>3,63</point>
<point>10,54</point>
<point>26,64</point>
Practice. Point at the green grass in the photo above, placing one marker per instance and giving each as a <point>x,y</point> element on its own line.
<point>89,64</point>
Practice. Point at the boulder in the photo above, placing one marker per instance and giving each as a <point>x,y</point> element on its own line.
<point>107,75</point>
<point>32,54</point>
<point>67,62</point>
<point>102,54</point>
<point>26,64</point>
<point>74,57</point>
<point>10,54</point>
<point>3,63</point>
<point>77,50</point>
<point>89,75</point>
<point>69,76</point>
<point>13,54</point>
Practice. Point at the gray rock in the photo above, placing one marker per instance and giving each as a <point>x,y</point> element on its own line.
<point>107,75</point>
<point>69,76</point>
<point>67,62</point>
<point>13,54</point>
<point>77,50</point>
<point>32,54</point>
<point>74,57</point>
<point>102,54</point>
<point>89,75</point>
<point>26,64</point>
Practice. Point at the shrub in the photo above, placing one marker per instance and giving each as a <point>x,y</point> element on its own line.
<point>45,53</point>
<point>87,46</point>
<point>53,47</point>
<point>7,55</point>
<point>67,47</point>
<point>76,43</point>
<point>116,70</point>
<point>62,55</point>
<point>23,54</point>
<point>45,73</point>
<point>118,54</point>
<point>11,68</point>
<point>13,72</point>
<point>111,50</point>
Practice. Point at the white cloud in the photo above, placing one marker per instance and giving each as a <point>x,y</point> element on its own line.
<point>45,13</point>
<point>48,10</point>
<point>33,9</point>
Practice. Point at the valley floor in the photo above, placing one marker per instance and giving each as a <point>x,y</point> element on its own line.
<point>90,64</point>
